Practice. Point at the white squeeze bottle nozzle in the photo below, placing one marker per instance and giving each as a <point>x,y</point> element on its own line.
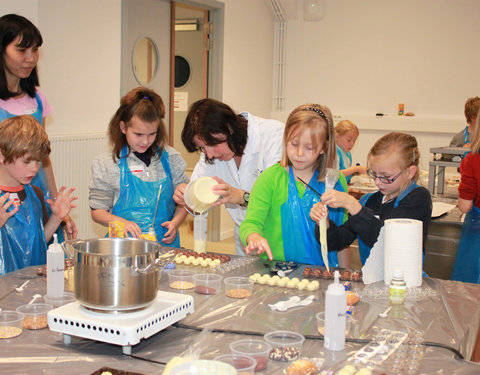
<point>335,311</point>
<point>55,268</point>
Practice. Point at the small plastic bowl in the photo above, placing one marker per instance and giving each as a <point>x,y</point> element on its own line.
<point>244,364</point>
<point>321,323</point>
<point>60,300</point>
<point>238,287</point>
<point>257,349</point>
<point>207,283</point>
<point>35,315</point>
<point>10,324</point>
<point>203,367</point>
<point>180,279</point>
<point>286,345</point>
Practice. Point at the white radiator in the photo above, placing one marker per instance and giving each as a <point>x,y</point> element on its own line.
<point>71,158</point>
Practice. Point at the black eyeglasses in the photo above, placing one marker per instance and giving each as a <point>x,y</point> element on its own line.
<point>385,180</point>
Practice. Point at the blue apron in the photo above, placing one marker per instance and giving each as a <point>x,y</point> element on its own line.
<point>39,180</point>
<point>22,238</point>
<point>467,263</point>
<point>297,225</point>
<point>363,248</point>
<point>138,198</point>
<point>341,161</point>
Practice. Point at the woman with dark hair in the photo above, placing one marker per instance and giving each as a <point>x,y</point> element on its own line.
<point>235,149</point>
<point>20,41</point>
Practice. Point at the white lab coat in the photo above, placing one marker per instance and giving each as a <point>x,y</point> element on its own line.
<point>264,148</point>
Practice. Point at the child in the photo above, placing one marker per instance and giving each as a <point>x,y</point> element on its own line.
<point>277,221</point>
<point>346,134</point>
<point>462,138</point>
<point>23,145</point>
<point>393,164</point>
<point>467,263</point>
<point>126,182</point>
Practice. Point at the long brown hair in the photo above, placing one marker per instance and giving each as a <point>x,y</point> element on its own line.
<point>148,106</point>
<point>318,119</point>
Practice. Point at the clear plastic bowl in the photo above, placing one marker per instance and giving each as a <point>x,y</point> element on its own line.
<point>10,324</point>
<point>60,300</point>
<point>321,323</point>
<point>203,367</point>
<point>244,364</point>
<point>238,287</point>
<point>180,279</point>
<point>207,283</point>
<point>257,349</point>
<point>35,315</point>
<point>286,345</point>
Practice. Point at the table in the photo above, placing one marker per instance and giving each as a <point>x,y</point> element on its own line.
<point>451,317</point>
<point>441,164</point>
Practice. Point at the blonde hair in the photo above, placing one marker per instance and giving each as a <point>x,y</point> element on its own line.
<point>319,120</point>
<point>475,144</point>
<point>403,145</point>
<point>472,107</point>
<point>21,135</point>
<point>345,126</point>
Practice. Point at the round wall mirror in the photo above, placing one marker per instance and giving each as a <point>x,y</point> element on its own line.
<point>145,60</point>
<point>182,71</point>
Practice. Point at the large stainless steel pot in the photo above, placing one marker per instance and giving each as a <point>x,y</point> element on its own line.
<point>116,274</point>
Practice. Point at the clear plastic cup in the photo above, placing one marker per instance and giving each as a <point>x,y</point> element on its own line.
<point>244,364</point>
<point>321,323</point>
<point>10,324</point>
<point>207,283</point>
<point>35,315</point>
<point>257,349</point>
<point>60,300</point>
<point>286,345</point>
<point>203,367</point>
<point>238,287</point>
<point>180,279</point>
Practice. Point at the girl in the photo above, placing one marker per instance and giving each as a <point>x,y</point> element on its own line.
<point>277,221</point>
<point>393,164</point>
<point>346,134</point>
<point>20,41</point>
<point>125,183</point>
<point>467,263</point>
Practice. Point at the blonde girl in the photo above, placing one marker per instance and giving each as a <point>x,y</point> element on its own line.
<point>277,222</point>
<point>346,134</point>
<point>393,165</point>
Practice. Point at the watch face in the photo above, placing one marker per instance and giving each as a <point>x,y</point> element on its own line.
<point>246,197</point>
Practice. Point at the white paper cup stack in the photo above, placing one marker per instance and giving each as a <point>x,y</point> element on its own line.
<point>403,250</point>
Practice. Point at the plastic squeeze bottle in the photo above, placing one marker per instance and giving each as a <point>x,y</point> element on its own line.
<point>335,311</point>
<point>55,269</point>
<point>397,288</point>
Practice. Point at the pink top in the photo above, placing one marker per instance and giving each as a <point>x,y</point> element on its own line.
<point>469,188</point>
<point>26,105</point>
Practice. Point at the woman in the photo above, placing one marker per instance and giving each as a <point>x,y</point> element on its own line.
<point>235,148</point>
<point>20,41</point>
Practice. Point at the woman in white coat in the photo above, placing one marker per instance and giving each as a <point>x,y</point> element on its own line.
<point>235,148</point>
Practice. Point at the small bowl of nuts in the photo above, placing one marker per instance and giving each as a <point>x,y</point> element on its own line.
<point>10,324</point>
<point>180,279</point>
<point>35,315</point>
<point>286,345</point>
<point>238,287</point>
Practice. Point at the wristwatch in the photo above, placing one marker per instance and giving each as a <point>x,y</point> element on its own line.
<point>246,198</point>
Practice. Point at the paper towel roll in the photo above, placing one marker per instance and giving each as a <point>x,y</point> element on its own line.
<point>403,250</point>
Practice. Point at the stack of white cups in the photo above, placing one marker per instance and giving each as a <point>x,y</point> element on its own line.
<point>403,250</point>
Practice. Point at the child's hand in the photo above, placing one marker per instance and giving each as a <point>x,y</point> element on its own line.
<point>335,199</point>
<point>70,228</point>
<point>228,193</point>
<point>171,232</point>
<point>131,229</point>
<point>360,169</point>
<point>258,243</point>
<point>5,203</point>
<point>178,194</point>
<point>62,205</point>
<point>318,211</point>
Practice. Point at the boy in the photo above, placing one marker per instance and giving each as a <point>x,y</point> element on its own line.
<point>23,236</point>
<point>462,139</point>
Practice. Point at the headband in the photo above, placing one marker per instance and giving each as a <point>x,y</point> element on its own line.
<point>319,112</point>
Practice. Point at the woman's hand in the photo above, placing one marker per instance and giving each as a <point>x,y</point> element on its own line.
<point>257,243</point>
<point>171,232</point>
<point>5,203</point>
<point>318,211</point>
<point>178,194</point>
<point>62,205</point>
<point>228,193</point>
<point>336,199</point>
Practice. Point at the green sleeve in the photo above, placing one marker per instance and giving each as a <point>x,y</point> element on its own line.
<point>343,182</point>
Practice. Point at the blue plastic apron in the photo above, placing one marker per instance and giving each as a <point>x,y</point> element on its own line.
<point>341,161</point>
<point>467,263</point>
<point>39,180</point>
<point>138,199</point>
<point>363,248</point>
<point>297,225</point>
<point>22,238</point>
